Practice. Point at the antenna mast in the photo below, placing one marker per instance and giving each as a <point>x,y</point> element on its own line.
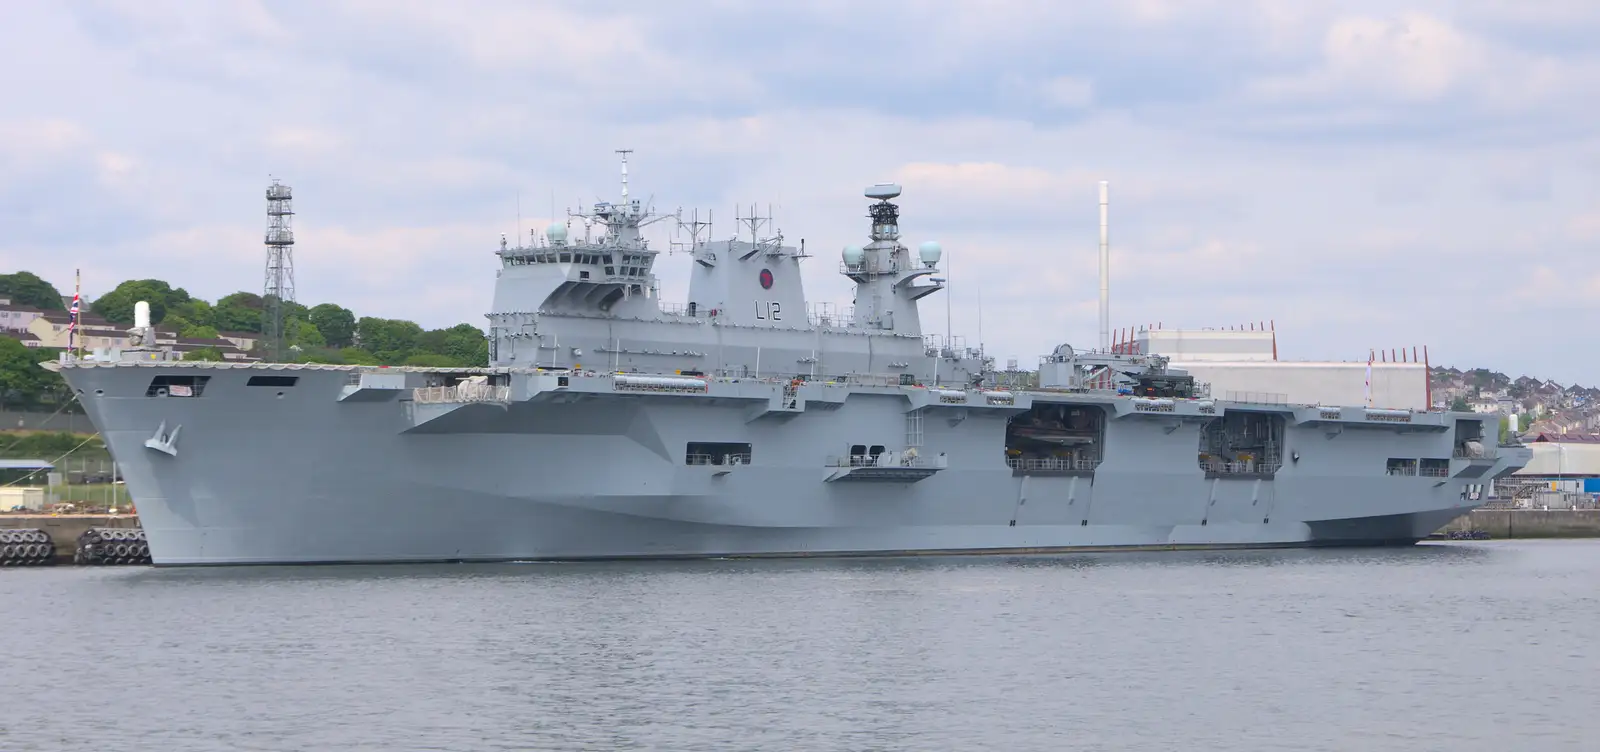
<point>279,286</point>
<point>698,231</point>
<point>625,153</point>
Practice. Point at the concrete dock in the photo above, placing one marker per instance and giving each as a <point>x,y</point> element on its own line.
<point>64,529</point>
<point>1530,523</point>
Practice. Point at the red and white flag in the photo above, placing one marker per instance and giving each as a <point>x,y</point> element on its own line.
<point>1369,378</point>
<point>72,314</point>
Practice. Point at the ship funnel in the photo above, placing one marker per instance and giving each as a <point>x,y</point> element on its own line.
<point>141,315</point>
<point>1105,269</point>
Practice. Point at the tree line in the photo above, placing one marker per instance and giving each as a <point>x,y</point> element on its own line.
<point>322,333</point>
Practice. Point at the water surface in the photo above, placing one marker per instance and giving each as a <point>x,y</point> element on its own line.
<point>1458,646</point>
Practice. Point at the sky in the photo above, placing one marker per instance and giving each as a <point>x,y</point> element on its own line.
<point>1360,174</point>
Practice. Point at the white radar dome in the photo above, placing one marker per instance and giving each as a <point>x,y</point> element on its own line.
<point>930,253</point>
<point>883,191</point>
<point>853,255</point>
<point>557,233</point>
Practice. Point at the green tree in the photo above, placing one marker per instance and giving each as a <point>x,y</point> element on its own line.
<point>117,305</point>
<point>359,357</point>
<point>176,324</point>
<point>464,344</point>
<point>26,288</point>
<point>304,334</point>
<point>467,345</point>
<point>239,312</point>
<point>1460,405</point>
<point>195,312</point>
<point>199,332</point>
<point>22,382</point>
<point>392,340</point>
<point>430,360</point>
<point>349,355</point>
<point>204,353</point>
<point>293,310</point>
<point>338,325</point>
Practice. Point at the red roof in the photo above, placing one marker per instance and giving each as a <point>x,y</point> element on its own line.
<point>1568,438</point>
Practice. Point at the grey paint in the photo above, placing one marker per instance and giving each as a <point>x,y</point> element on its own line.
<point>545,460</point>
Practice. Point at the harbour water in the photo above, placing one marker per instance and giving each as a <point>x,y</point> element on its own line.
<point>1448,646</point>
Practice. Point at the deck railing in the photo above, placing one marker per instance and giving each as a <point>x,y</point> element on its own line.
<point>1241,468</point>
<point>735,458</point>
<point>1050,464</point>
<point>461,393</point>
<point>883,460</point>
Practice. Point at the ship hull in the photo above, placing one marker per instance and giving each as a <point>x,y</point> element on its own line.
<point>312,474</point>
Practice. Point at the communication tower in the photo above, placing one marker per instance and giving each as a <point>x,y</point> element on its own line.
<point>279,285</point>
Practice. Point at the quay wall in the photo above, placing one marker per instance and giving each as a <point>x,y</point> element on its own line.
<point>1529,523</point>
<point>64,529</point>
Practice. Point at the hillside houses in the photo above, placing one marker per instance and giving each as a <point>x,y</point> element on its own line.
<point>48,329</point>
<point>1545,405</point>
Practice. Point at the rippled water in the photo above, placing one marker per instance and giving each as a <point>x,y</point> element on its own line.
<point>1483,646</point>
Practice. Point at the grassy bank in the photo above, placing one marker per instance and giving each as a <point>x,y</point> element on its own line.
<point>73,454</point>
<point>95,495</point>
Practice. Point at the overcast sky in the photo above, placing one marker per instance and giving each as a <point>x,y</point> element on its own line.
<point>1380,174</point>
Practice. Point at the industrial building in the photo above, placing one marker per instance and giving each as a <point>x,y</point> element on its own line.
<point>1563,474</point>
<point>1243,364</point>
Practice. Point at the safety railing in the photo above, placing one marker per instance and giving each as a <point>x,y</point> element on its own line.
<point>461,393</point>
<point>883,460</point>
<point>1261,398</point>
<point>737,458</point>
<point>1050,464</point>
<point>1241,467</point>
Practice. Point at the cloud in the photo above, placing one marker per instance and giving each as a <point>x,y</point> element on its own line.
<point>1364,173</point>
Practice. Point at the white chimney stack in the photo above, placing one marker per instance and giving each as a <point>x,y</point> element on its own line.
<point>1105,269</point>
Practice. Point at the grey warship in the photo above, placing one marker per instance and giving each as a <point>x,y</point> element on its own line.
<point>610,424</point>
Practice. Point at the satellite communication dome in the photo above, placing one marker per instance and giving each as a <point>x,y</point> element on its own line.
<point>883,191</point>
<point>930,253</point>
<point>853,255</point>
<point>557,233</point>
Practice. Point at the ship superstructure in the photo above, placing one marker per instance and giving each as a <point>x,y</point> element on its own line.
<point>610,424</point>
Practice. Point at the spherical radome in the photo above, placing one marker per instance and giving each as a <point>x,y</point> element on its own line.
<point>930,252</point>
<point>557,233</point>
<point>853,255</point>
